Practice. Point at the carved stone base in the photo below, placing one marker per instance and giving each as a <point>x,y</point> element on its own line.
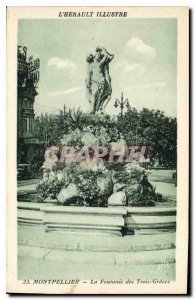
<point>84,220</point>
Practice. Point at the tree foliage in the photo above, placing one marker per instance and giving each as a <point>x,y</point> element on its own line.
<point>153,129</point>
<point>150,128</point>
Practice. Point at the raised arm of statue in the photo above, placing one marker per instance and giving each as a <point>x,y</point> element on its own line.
<point>104,59</point>
<point>107,56</point>
<point>110,57</point>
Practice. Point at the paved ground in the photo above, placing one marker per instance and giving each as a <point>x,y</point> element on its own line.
<point>165,185</point>
<point>32,182</point>
<point>38,268</point>
<point>57,256</point>
<point>36,237</point>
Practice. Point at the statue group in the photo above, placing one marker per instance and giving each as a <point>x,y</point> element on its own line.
<point>98,80</point>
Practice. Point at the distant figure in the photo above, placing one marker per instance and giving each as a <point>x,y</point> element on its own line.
<point>98,80</point>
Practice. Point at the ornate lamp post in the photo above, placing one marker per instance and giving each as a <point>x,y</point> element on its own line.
<point>121,103</point>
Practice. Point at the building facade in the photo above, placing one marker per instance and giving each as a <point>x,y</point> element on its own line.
<point>28,144</point>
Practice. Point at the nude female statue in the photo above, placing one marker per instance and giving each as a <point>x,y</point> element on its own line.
<point>98,80</point>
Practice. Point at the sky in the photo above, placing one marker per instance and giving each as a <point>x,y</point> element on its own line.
<point>144,67</point>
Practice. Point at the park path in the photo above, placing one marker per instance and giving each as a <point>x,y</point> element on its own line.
<point>58,256</point>
<point>165,184</point>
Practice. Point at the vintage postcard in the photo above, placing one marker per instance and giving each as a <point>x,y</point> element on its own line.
<point>97,150</point>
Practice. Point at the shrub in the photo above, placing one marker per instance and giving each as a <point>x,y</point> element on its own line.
<point>134,181</point>
<point>138,189</point>
<point>85,180</point>
<point>50,188</point>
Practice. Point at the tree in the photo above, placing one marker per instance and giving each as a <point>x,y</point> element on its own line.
<point>51,128</point>
<point>150,128</point>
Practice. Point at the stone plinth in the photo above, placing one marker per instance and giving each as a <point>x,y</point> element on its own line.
<point>147,220</point>
<point>30,213</point>
<point>108,221</point>
<point>85,220</point>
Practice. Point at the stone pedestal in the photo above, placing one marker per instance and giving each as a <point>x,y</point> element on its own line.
<point>85,220</point>
<point>149,220</point>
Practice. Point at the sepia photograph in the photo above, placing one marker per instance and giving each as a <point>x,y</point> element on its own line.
<point>99,108</point>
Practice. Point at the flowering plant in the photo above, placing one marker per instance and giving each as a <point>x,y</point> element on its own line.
<point>73,138</point>
<point>85,179</point>
<point>50,185</point>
